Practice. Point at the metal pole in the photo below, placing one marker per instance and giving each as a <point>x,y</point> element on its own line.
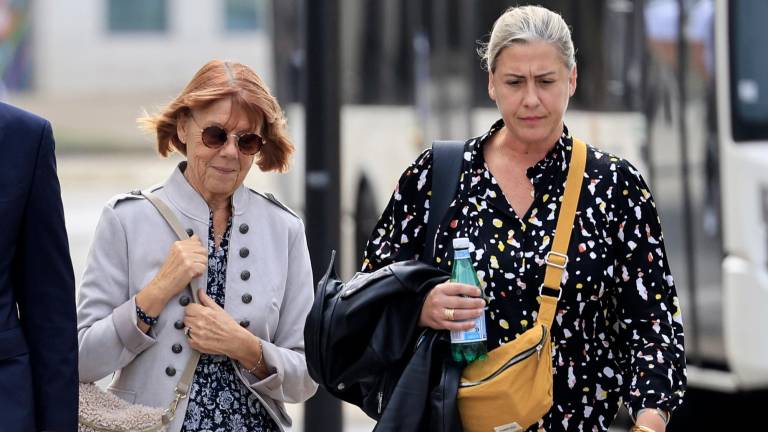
<point>690,254</point>
<point>322,192</point>
<point>469,35</point>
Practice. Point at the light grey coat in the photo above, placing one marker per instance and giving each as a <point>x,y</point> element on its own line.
<point>270,286</point>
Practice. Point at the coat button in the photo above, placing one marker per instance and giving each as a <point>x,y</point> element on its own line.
<point>243,228</point>
<point>184,300</point>
<point>170,371</point>
<point>247,298</point>
<point>245,275</point>
<point>178,325</point>
<point>190,232</point>
<point>245,323</point>
<point>176,348</point>
<point>244,252</point>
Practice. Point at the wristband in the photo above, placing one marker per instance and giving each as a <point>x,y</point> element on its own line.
<point>146,319</point>
<point>663,414</point>
<point>260,361</point>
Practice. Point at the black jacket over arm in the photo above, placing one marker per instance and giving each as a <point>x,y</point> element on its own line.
<point>364,345</point>
<point>38,341</point>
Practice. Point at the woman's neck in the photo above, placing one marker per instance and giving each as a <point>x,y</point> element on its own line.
<point>527,153</point>
<point>216,202</point>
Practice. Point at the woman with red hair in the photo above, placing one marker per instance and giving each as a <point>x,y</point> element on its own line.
<point>246,251</point>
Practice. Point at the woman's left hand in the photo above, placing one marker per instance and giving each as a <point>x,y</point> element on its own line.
<point>211,329</point>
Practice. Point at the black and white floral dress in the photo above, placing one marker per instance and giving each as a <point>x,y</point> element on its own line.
<point>218,400</point>
<point>618,331</point>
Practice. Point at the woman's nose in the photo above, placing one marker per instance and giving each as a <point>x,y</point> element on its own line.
<point>531,97</point>
<point>230,148</point>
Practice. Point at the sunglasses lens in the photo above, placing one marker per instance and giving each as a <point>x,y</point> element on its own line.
<point>214,136</point>
<point>250,143</point>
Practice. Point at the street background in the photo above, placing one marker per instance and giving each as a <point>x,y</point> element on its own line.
<point>405,73</point>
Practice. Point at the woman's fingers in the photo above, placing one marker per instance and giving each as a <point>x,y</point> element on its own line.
<point>463,314</point>
<point>459,325</point>
<point>456,302</point>
<point>458,289</point>
<point>452,306</point>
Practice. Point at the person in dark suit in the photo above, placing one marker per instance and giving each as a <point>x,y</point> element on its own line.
<point>38,323</point>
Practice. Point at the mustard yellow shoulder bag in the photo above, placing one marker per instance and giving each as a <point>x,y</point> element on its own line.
<point>512,389</point>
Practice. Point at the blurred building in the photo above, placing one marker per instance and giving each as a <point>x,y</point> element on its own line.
<point>92,65</point>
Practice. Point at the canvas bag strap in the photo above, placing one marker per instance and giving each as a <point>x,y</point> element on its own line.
<point>557,258</point>
<point>182,388</point>
<point>447,157</point>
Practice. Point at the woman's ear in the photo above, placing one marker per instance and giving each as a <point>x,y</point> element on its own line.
<point>572,81</point>
<point>491,88</point>
<point>181,127</point>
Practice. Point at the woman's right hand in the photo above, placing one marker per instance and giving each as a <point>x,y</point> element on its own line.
<point>452,306</point>
<point>186,260</point>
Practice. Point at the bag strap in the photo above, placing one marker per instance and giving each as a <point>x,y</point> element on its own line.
<point>557,257</point>
<point>182,388</point>
<point>447,157</point>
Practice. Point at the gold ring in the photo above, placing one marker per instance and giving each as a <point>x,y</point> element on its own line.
<point>449,313</point>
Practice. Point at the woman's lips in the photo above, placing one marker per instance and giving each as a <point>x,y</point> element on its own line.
<point>532,119</point>
<point>223,170</point>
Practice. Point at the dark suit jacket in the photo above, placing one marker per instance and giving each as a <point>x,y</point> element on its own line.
<point>38,335</point>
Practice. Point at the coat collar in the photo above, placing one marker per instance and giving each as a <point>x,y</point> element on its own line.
<point>189,202</point>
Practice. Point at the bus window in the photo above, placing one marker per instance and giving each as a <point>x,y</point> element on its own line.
<point>749,80</point>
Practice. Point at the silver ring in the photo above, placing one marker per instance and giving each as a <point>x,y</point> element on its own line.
<point>188,332</point>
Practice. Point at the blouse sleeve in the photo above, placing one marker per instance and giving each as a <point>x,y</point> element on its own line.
<point>399,234</point>
<point>648,309</point>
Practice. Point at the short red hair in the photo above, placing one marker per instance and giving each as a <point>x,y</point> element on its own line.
<point>215,81</point>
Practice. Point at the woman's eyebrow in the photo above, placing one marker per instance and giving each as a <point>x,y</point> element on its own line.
<point>541,75</point>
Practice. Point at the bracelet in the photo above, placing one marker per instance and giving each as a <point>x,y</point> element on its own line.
<point>260,361</point>
<point>637,428</point>
<point>663,414</point>
<point>146,319</point>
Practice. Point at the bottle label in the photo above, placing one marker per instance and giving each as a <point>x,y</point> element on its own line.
<point>476,334</point>
<point>461,253</point>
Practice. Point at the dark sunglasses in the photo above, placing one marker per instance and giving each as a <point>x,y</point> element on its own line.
<point>215,137</point>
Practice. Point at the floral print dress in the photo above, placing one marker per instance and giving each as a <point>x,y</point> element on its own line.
<point>618,332</point>
<point>218,400</point>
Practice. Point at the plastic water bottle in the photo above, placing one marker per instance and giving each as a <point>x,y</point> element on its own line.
<point>467,345</point>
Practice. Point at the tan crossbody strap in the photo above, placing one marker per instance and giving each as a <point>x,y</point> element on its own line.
<point>557,257</point>
<point>182,388</point>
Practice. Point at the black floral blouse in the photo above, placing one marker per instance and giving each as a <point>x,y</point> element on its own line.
<point>618,331</point>
<point>218,400</point>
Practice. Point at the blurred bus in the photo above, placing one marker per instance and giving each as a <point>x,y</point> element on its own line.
<point>706,159</point>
